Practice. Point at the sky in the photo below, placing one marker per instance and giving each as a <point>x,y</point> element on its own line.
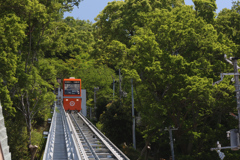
<point>89,9</point>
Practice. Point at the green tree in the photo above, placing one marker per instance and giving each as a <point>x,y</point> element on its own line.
<point>12,35</point>
<point>206,9</point>
<point>116,123</point>
<point>174,55</point>
<point>26,78</point>
<point>68,38</point>
<point>227,23</point>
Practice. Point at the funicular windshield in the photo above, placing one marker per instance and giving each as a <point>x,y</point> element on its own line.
<point>72,87</point>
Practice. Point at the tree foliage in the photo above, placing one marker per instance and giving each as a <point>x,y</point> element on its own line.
<point>174,53</point>
<point>27,78</point>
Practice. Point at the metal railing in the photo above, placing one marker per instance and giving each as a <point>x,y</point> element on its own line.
<point>49,148</point>
<point>71,146</point>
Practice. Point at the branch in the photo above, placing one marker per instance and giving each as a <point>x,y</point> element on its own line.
<point>23,105</point>
<point>33,113</point>
<point>165,91</point>
<point>24,110</point>
<point>229,61</point>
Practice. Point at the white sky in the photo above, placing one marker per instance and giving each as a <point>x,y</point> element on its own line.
<point>89,9</point>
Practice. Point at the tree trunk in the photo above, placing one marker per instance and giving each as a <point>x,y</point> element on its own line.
<point>29,133</point>
<point>144,150</point>
<point>33,151</point>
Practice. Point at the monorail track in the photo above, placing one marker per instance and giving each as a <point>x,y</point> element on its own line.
<point>93,145</point>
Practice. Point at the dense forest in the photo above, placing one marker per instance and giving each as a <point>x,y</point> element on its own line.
<point>172,51</point>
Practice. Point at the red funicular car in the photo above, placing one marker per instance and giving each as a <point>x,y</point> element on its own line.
<point>72,97</point>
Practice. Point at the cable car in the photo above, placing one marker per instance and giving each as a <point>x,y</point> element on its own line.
<point>72,96</point>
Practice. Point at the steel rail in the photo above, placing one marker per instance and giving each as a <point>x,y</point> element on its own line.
<point>85,139</point>
<point>114,150</point>
<point>77,140</point>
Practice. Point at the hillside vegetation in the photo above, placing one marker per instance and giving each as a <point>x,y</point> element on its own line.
<point>172,51</point>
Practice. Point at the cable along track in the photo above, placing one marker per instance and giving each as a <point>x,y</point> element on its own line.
<point>95,144</point>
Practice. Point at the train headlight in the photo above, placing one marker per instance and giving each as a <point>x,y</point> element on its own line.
<point>77,99</point>
<point>66,99</point>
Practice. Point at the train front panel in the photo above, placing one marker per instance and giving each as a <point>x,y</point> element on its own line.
<point>73,104</point>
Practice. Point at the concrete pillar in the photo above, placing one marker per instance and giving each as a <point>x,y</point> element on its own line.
<point>4,137</point>
<point>84,103</point>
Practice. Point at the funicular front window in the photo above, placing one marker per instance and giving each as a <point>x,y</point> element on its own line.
<point>72,87</point>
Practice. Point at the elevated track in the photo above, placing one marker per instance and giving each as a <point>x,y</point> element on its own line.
<point>73,136</point>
